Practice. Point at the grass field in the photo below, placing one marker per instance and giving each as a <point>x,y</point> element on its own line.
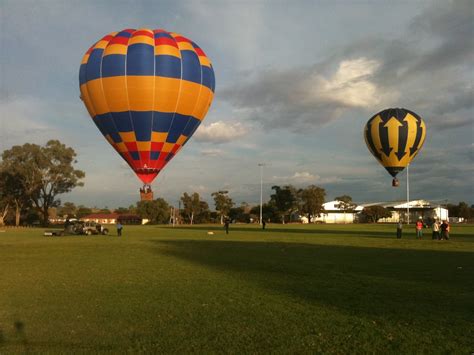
<point>288,289</point>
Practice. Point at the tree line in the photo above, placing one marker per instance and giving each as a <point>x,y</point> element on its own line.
<point>286,204</point>
<point>32,177</point>
<point>462,209</point>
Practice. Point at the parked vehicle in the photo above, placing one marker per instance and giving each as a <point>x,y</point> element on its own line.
<point>89,228</point>
<point>78,228</point>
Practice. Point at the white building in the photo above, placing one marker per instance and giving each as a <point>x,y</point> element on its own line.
<point>332,214</point>
<point>416,209</point>
<point>399,209</point>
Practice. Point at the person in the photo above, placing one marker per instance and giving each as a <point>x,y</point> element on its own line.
<point>226,225</point>
<point>119,229</point>
<point>263,224</point>
<point>445,230</point>
<point>68,226</point>
<point>399,229</point>
<point>419,229</point>
<point>435,228</point>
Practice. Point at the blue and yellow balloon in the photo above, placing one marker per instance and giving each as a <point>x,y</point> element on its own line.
<point>147,91</point>
<point>394,137</point>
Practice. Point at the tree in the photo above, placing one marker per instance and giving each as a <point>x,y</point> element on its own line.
<point>194,209</point>
<point>285,200</point>
<point>4,202</point>
<point>374,213</point>
<point>462,209</point>
<point>204,214</point>
<point>83,211</point>
<point>157,211</point>
<point>269,212</point>
<point>223,203</point>
<point>346,204</point>
<point>453,210</point>
<point>311,200</point>
<point>68,209</point>
<point>132,209</point>
<point>122,210</point>
<point>13,192</point>
<point>241,213</point>
<point>47,171</point>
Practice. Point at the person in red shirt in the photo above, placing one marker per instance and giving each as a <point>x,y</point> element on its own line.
<point>419,229</point>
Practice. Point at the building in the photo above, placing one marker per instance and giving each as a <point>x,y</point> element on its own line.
<point>131,219</point>
<point>113,218</point>
<point>102,218</point>
<point>416,209</point>
<point>426,210</point>
<point>332,214</point>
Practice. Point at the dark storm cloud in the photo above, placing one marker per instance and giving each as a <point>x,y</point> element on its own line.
<point>453,110</point>
<point>279,99</point>
<point>451,23</point>
<point>429,66</point>
<point>459,99</point>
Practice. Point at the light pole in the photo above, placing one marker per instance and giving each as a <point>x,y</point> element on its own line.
<point>261,165</point>
<point>408,195</point>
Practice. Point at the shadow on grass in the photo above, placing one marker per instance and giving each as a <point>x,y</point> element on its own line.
<point>18,338</point>
<point>402,284</point>
<point>340,230</point>
<point>18,342</point>
<point>290,230</point>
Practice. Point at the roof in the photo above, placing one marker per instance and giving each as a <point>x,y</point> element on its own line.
<point>330,206</point>
<point>101,216</point>
<point>403,204</point>
<point>128,216</point>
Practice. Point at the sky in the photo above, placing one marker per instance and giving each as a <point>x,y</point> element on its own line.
<point>295,84</point>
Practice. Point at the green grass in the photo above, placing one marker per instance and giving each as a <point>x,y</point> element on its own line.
<point>289,289</point>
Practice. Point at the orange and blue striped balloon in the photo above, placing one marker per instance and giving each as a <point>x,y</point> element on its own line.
<point>147,91</point>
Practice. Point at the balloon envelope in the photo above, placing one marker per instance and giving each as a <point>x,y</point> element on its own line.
<point>394,136</point>
<point>147,91</point>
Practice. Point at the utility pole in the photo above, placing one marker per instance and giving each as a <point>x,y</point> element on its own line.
<point>408,195</point>
<point>179,211</point>
<point>261,165</point>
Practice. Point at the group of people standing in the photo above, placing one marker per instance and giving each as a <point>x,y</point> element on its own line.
<point>440,230</point>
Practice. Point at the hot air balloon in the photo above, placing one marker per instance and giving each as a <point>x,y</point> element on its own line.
<point>395,136</point>
<point>147,91</point>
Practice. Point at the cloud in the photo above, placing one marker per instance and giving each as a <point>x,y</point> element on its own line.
<point>279,68</point>
<point>304,97</point>
<point>22,122</point>
<point>450,24</point>
<point>305,177</point>
<point>430,64</point>
<point>349,86</point>
<point>211,152</point>
<point>201,189</point>
<point>428,69</point>
<point>239,32</point>
<point>220,132</point>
